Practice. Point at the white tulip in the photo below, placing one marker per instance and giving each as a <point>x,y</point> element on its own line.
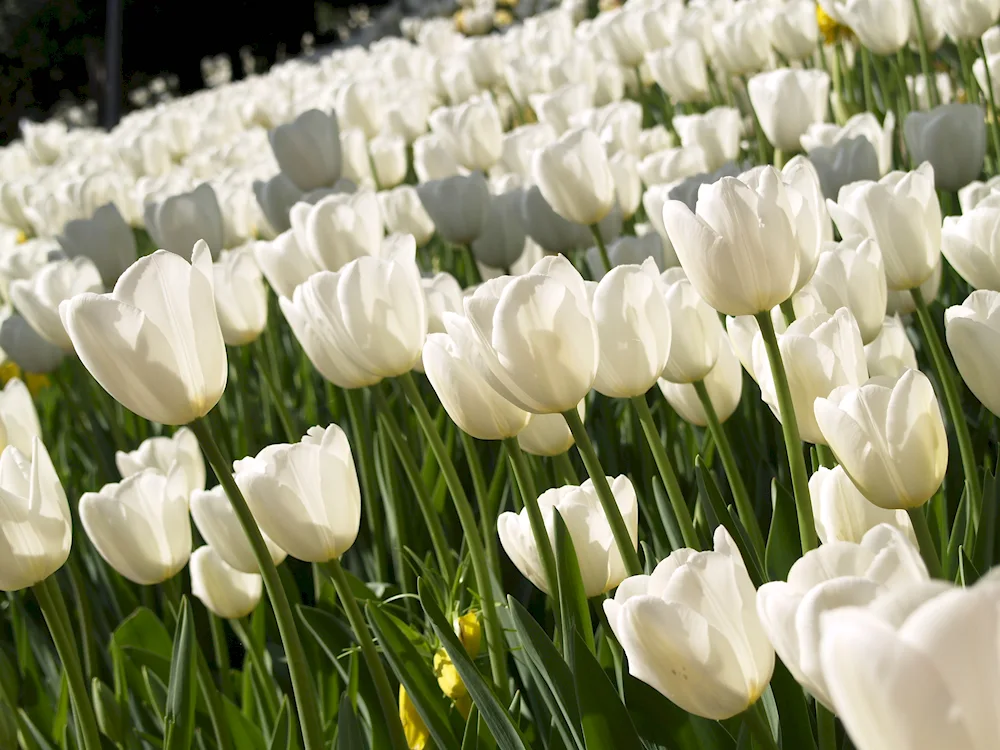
<point>162,453</point>
<point>218,523</point>
<point>38,300</point>
<point>724,384</point>
<point>892,351</point>
<point>843,514</point>
<point>339,228</point>
<point>225,592</point>
<point>181,221</point>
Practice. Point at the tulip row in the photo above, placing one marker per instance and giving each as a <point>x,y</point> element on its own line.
<point>554,432</point>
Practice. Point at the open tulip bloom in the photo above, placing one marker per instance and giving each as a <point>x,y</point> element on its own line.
<point>516,264</point>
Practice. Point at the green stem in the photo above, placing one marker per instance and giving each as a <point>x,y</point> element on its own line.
<point>386,698</point>
<point>826,727</point>
<point>298,666</point>
<point>494,630</point>
<point>48,594</point>
<point>565,467</point>
<point>614,515</point>
<point>866,77</point>
<point>946,375</point>
<point>756,720</point>
<point>826,457</point>
<point>362,445</point>
<point>221,650</point>
<point>925,540</point>
<point>790,431</point>
<point>736,485</point>
<point>788,311</point>
<point>271,382</point>
<point>601,247</point>
<point>925,58</point>
<point>257,663</point>
<point>906,98</point>
<point>762,151</point>
<point>667,473</point>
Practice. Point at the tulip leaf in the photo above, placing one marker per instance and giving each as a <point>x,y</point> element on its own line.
<point>156,691</point>
<point>717,508</point>
<point>957,537</point>
<point>414,673</point>
<point>967,572</point>
<point>605,720</point>
<point>670,527</point>
<point>179,714</point>
<point>245,734</point>
<point>349,732</point>
<point>985,547</point>
<point>549,667</point>
<point>143,629</point>
<point>574,609</point>
<point>783,545</point>
<point>497,719</point>
<point>796,728</point>
<point>281,737</point>
<point>470,738</point>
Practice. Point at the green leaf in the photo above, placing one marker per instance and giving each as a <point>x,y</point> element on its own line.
<point>281,738</point>
<point>717,507</point>
<point>985,546</point>
<point>796,728</point>
<point>143,629</point>
<point>573,606</point>
<point>783,545</point>
<point>470,739</point>
<point>245,734</point>
<point>109,714</point>
<point>156,691</point>
<point>967,572</point>
<point>957,537</point>
<point>493,712</point>
<point>179,715</point>
<point>606,721</point>
<point>414,673</point>
<point>349,733</point>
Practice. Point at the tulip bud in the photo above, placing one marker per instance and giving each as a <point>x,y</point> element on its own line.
<point>891,353</point>
<point>432,160</point>
<point>680,70</point>
<point>225,592</point>
<point>774,92</point>
<point>628,185</point>
<point>38,299</point>
<point>724,384</point>
<point>843,514</point>
<point>600,561</point>
<point>218,523</point>
<point>105,238</point>
<point>403,213</point>
<point>388,154</point>
<point>283,262</point>
<point>716,133</point>
<point>179,222</point>
<point>472,131</point>
<point>889,437</point>
<point>795,32</point>
<point>469,633</point>
<point>19,423</point>
<point>702,604</point>
<point>973,330</point>
<point>37,532</point>
<point>952,138</point>
<point>240,297</point>
<point>970,19</point>
<point>976,192</point>
<point>519,145</point>
<point>140,526</point>
<point>743,44</point>
<point>443,294</point>
<point>276,197</point>
<point>305,496</point>
<point>501,241</point>
<point>971,243</point>
<point>22,345</point>
<point>882,27</point>
<point>459,206</point>
<point>548,434</point>
<point>308,150</point>
<point>162,453</point>
<point>696,330</point>
<point>847,160</point>
<point>161,304</point>
<point>574,177</point>
<point>359,105</point>
<point>339,228</point>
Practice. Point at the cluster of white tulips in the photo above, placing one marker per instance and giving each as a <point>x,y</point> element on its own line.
<point>623,378</point>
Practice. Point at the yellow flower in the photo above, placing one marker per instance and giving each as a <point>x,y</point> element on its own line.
<point>828,27</point>
<point>451,683</point>
<point>503,17</point>
<point>9,370</point>
<point>470,633</point>
<point>413,726</point>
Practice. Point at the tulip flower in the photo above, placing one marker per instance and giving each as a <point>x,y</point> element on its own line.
<point>743,43</point>
<point>691,631</point>
<point>443,294</point>
<point>628,185</point>
<point>680,70</point>
<point>673,165</point>
<point>927,672</point>
<point>459,206</point>
<point>976,192</point>
<point>308,149</point>
<point>787,102</point>
<point>864,125</point>
<point>794,32</point>
<point>19,423</point>
<point>843,514</point>
<point>350,339</point>
<point>389,162</point>
<point>973,329</point>
<point>696,330</point>
<point>716,133</point>
<point>140,526</point>
<point>276,197</point>
<point>882,27</point>
<point>356,165</point>
<point>472,131</point>
<point>919,91</point>
<point>359,105</point>
<point>520,143</point>
<point>838,574</point>
<point>225,592</point>
<point>724,384</point>
<point>432,160</point>
<point>162,453</point>
<point>600,561</point>
<point>902,214</point>
<point>952,138</point>
<point>627,250</point>
<point>555,234</point>
<point>240,297</point>
<point>574,177</point>
<point>889,437</point>
<point>548,434</point>
<point>971,243</point>
<point>284,263</point>
<point>969,19</point>
<point>631,316</point>
<point>305,496</point>
<point>217,522</point>
<point>501,241</point>
<point>23,346</point>
<point>403,213</point>
<point>891,353</point>
<point>37,531</point>
<point>339,228</point>
<point>38,299</point>
<point>180,221</point>
<point>105,239</point>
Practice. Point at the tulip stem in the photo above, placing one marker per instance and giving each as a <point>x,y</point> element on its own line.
<point>477,551</point>
<point>946,375</point>
<point>925,59</point>
<point>826,457</point>
<point>826,727</point>
<point>257,663</point>
<point>298,666</point>
<point>601,247</point>
<point>529,494</point>
<point>743,505</point>
<point>790,431</point>
<point>760,728</point>
<point>49,599</point>
<point>362,443</point>
<point>667,473</point>
<point>565,467</point>
<point>614,515</point>
<point>375,667</point>
<point>866,78</point>
<point>927,549</point>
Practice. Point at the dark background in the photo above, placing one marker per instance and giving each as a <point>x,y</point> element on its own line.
<point>52,52</point>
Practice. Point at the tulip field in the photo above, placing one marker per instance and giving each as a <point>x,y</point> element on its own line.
<point>552,377</point>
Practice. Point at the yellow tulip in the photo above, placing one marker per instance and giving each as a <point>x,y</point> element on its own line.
<point>413,726</point>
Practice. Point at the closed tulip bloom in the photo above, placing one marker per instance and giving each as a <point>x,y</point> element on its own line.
<point>743,43</point>
<point>883,26</point>
<point>548,434</point>
<point>976,192</point>
<point>696,330</point>
<point>952,138</point>
<point>847,160</point>
<point>628,250</point>
<point>459,206</point>
<point>308,149</point>
<point>902,214</point>
<point>24,347</point>
<point>105,238</point>
<point>472,130</point>
<point>889,437</point>
<point>501,241</point>
<point>284,263</point>
<point>600,561</point>
<point>443,294</point>
<point>787,102</point>
<point>902,303</point>
<point>180,221</point>
<point>850,274</point>
<point>843,514</point>
<point>154,343</point>
<point>140,526</point>
<point>973,331</point>
<point>339,228</point>
<point>550,230</point>
<point>359,105</point>
<point>37,529</point>
<point>891,353</point>
<point>993,78</point>
<point>432,160</point>
<point>356,164</point>
<point>920,92</point>
<point>716,133</point>
<point>794,32</point>
<point>863,125</point>
<point>740,249</point>
<point>537,337</point>
<point>403,213</point>
<point>38,299</point>
<point>225,591</point>
<point>305,496</point>
<point>218,523</point>
<point>19,423</point>
<point>691,631</point>
<point>724,384</point>
<point>971,243</point>
<point>162,453</point>
<point>346,324</point>
<point>240,297</point>
<point>835,575</point>
<point>574,177</point>
<point>672,165</point>
<point>967,20</point>
<point>632,323</point>
<point>680,70</point>
<point>388,155</point>
<point>276,197</point>
<point>628,185</point>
